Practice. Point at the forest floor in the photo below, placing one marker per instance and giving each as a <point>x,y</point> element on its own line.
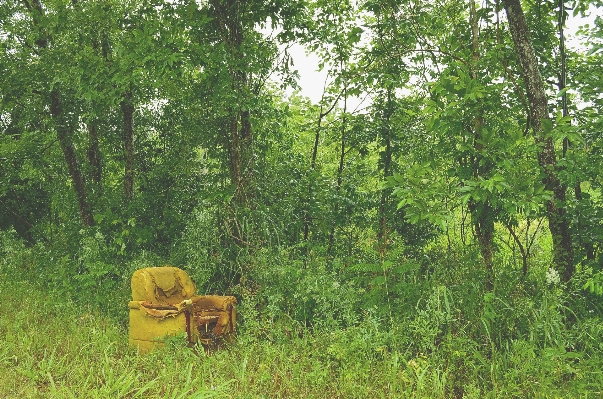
<point>53,347</point>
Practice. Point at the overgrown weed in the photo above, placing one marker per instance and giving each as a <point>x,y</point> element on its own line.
<point>315,330</point>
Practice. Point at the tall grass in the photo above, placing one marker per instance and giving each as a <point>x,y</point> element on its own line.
<point>312,331</point>
<point>53,348</point>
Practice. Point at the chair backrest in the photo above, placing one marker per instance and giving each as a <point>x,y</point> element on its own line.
<point>162,285</point>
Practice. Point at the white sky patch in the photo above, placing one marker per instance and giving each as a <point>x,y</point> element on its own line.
<point>311,80</point>
<point>156,106</point>
<point>5,121</point>
<point>573,24</point>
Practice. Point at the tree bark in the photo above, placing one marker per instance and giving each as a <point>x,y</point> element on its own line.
<point>63,128</point>
<point>339,173</point>
<point>240,149</point>
<point>482,213</point>
<point>65,135</point>
<point>307,217</point>
<point>386,160</point>
<point>127,109</point>
<point>94,157</point>
<point>240,138</point>
<point>558,224</point>
<point>321,115</point>
<point>238,135</point>
<point>93,153</point>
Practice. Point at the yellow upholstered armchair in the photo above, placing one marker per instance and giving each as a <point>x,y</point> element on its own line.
<point>164,303</point>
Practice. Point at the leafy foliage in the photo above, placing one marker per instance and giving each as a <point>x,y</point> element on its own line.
<point>393,250</point>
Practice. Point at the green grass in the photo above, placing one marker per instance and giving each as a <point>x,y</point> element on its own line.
<point>52,347</point>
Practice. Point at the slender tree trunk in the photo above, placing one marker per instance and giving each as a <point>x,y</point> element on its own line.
<point>386,160</point>
<point>588,245</point>
<point>65,136</point>
<point>127,109</point>
<point>94,157</point>
<point>241,151</point>
<point>321,115</point>
<point>234,147</point>
<point>339,174</point>
<point>522,249</point>
<point>238,135</point>
<point>240,138</point>
<point>93,153</point>
<point>558,224</point>
<point>482,212</point>
<point>484,229</point>
<point>482,215</point>
<point>307,217</point>
<point>64,130</point>
<point>248,160</point>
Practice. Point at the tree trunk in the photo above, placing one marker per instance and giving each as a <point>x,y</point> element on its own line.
<point>63,128</point>
<point>339,174</point>
<point>127,109</point>
<point>558,224</point>
<point>321,115</point>
<point>482,215</point>
<point>386,160</point>
<point>65,136</point>
<point>307,216</point>
<point>522,249</point>
<point>239,138</point>
<point>247,150</point>
<point>93,153</point>
<point>94,157</point>
<point>240,150</point>
<point>482,212</point>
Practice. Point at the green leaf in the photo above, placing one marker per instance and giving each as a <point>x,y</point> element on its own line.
<point>547,125</point>
<point>595,48</point>
<point>562,92</point>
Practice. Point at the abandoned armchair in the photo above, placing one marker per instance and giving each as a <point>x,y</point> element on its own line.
<point>164,304</point>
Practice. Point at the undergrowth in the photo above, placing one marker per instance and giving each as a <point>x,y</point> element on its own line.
<point>407,327</point>
<point>55,348</point>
